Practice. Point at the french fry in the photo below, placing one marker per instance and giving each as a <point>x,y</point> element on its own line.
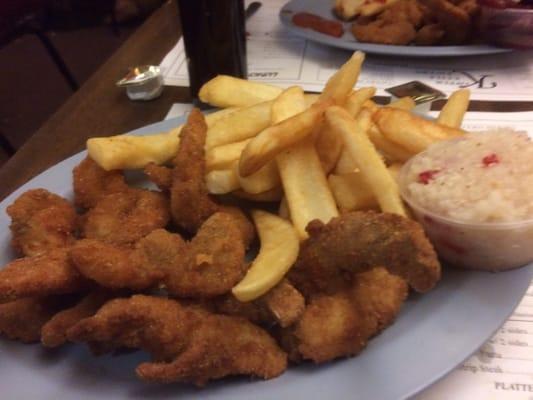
<point>288,104</point>
<point>271,196</point>
<point>222,181</point>
<point>394,169</point>
<point>351,192</point>
<point>328,145</point>
<point>305,186</point>
<point>222,157</point>
<point>371,106</point>
<point>405,103</point>
<point>227,91</point>
<point>455,108</point>
<point>411,132</point>
<point>277,253</point>
<point>304,181</point>
<point>371,8</point>
<point>283,210</point>
<point>266,178</point>
<point>242,124</point>
<point>355,101</point>
<point>341,83</point>
<point>391,150</point>
<point>310,99</point>
<point>276,138</point>
<point>367,159</point>
<point>134,152</point>
<point>347,9</point>
<point>345,163</point>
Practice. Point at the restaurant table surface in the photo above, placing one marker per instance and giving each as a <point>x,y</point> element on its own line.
<point>99,108</point>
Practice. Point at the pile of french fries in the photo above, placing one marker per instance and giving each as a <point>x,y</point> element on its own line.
<point>318,155</point>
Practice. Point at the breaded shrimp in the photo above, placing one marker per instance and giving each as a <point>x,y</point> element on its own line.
<point>125,217</point>
<point>91,182</point>
<point>358,241</point>
<point>41,221</point>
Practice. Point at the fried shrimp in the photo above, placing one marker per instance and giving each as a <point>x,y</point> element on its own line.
<point>125,217</point>
<point>282,305</point>
<point>42,275</point>
<point>209,265</point>
<point>340,324</point>
<point>54,331</point>
<point>91,182</point>
<point>190,201</point>
<point>23,319</point>
<point>358,241</point>
<point>41,221</point>
<point>187,343</point>
<point>113,267</point>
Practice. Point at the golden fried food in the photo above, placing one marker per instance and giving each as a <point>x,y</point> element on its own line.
<point>54,331</point>
<point>22,319</point>
<point>125,217</point>
<point>41,221</point>
<point>190,201</point>
<point>282,305</point>
<point>157,325</point>
<point>340,324</point>
<point>91,182</point>
<point>358,241</point>
<point>160,175</point>
<point>422,22</point>
<point>187,343</point>
<point>209,265</point>
<point>113,267</point>
<point>454,20</point>
<point>221,346</point>
<point>42,275</point>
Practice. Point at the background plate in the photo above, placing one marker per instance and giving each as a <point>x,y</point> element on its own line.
<point>347,41</point>
<point>433,334</point>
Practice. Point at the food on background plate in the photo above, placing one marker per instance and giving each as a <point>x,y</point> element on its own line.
<point>399,22</point>
<point>473,196</point>
<point>332,273</point>
<point>319,24</point>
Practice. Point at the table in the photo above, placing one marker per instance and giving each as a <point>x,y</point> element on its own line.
<point>99,108</point>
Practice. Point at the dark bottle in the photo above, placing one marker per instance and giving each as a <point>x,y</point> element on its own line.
<point>215,39</point>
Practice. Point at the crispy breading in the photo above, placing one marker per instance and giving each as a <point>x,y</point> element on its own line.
<point>91,182</point>
<point>125,217</point>
<point>41,221</point>
<point>54,331</point>
<point>42,275</point>
<point>187,343</point>
<point>22,319</point>
<point>157,325</point>
<point>454,20</point>
<point>113,267</point>
<point>340,324</point>
<point>357,241</point>
<point>219,347</point>
<point>209,265</point>
<point>160,175</point>
<point>282,305</point>
<point>190,201</point>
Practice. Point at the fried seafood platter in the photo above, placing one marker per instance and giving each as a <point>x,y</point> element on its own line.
<point>265,235</point>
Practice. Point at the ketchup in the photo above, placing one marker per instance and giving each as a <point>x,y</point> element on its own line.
<point>319,24</point>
